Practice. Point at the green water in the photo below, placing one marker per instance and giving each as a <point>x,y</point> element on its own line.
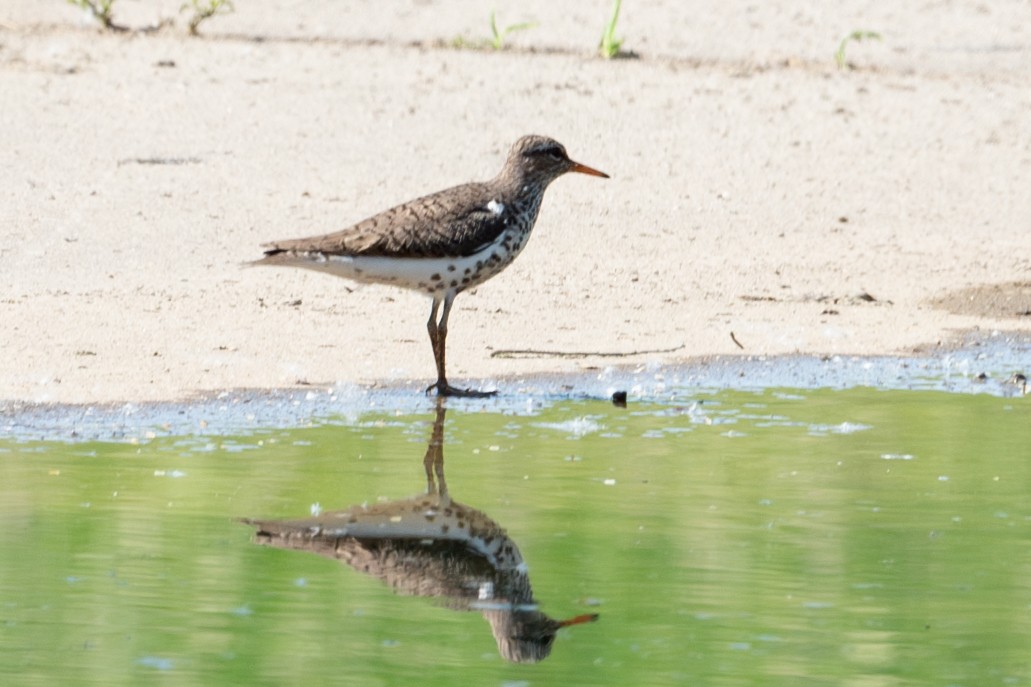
<point>854,537</point>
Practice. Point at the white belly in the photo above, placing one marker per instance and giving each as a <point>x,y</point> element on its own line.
<point>429,275</point>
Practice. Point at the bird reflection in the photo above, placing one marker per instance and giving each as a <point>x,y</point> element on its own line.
<point>433,546</point>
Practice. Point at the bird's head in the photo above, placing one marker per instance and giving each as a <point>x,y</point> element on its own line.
<point>541,159</point>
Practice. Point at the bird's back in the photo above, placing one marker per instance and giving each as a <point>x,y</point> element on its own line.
<point>454,222</point>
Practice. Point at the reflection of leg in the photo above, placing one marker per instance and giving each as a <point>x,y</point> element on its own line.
<point>434,460</point>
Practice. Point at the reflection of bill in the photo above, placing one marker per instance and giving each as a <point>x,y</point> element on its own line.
<point>433,546</point>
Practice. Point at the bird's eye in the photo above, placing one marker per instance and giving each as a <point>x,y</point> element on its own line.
<point>553,152</point>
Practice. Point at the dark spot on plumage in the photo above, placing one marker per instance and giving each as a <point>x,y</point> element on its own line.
<point>465,280</point>
<point>467,270</point>
<point>454,283</point>
<point>450,268</point>
<point>435,276</point>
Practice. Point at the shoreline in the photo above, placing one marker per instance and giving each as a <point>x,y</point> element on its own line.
<point>985,364</point>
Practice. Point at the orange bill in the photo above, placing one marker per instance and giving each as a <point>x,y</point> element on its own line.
<point>584,169</point>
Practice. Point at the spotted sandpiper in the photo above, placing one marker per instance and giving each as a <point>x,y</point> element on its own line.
<point>444,243</point>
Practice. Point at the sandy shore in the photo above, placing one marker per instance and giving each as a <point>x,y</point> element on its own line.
<point>756,188</point>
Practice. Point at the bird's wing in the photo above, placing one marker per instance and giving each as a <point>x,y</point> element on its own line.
<point>451,223</point>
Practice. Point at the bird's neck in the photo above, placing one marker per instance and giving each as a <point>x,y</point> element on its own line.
<point>521,189</point>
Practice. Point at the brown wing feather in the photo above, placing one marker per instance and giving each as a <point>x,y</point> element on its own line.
<point>449,223</point>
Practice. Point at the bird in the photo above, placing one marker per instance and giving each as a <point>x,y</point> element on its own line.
<point>444,243</point>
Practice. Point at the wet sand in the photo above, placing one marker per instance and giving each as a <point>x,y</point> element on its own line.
<point>996,365</point>
<point>763,202</point>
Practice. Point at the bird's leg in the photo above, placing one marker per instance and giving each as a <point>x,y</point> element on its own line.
<point>438,336</point>
<point>441,352</point>
<point>431,327</point>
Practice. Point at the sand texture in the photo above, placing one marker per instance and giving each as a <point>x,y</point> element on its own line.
<point>757,189</point>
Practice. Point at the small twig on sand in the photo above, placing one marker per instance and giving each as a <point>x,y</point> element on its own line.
<point>535,353</point>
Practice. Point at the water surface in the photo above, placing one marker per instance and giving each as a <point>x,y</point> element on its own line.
<point>772,536</point>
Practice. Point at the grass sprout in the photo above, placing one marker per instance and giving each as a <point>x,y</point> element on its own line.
<point>610,45</point>
<point>855,36</point>
<point>204,10</point>
<point>497,40</point>
<point>101,11</point>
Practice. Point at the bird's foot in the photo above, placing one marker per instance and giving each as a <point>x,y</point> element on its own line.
<point>444,389</point>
